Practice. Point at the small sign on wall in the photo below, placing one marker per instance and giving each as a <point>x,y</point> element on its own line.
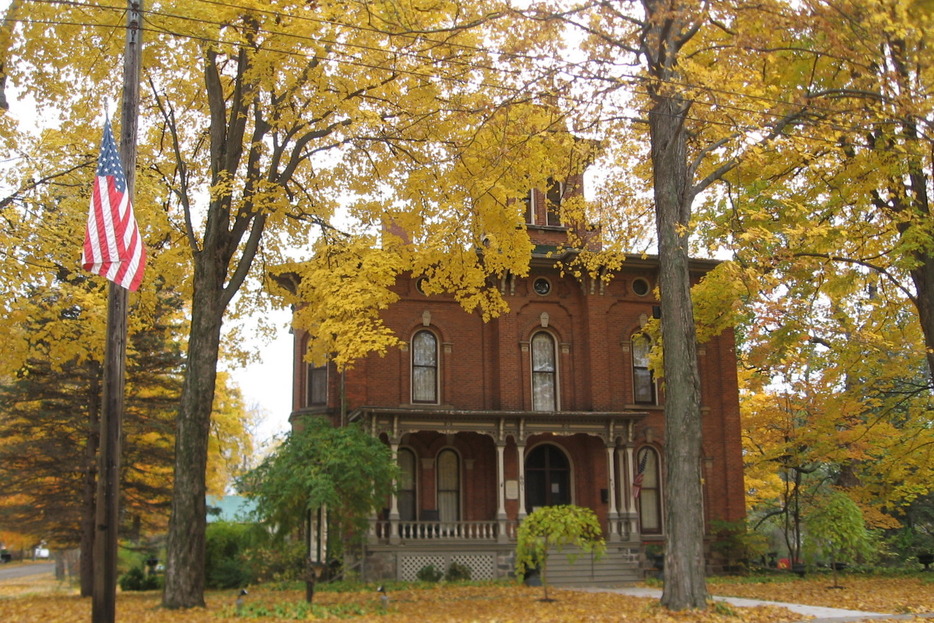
<point>512,489</point>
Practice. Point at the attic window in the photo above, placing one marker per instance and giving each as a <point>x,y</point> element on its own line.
<point>541,286</point>
<point>640,287</point>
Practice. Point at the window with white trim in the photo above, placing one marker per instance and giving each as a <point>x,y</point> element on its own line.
<point>544,373</point>
<point>643,381</point>
<point>650,493</point>
<point>406,495</point>
<point>425,367</point>
<point>316,385</point>
<point>449,486</point>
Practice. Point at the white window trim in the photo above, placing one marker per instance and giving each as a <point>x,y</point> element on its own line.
<point>437,399</point>
<point>557,378</point>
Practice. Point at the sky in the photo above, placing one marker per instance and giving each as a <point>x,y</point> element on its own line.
<point>267,383</point>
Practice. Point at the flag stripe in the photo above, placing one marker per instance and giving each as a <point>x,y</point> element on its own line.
<point>113,247</point>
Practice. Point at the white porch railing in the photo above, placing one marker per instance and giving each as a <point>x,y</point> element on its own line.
<point>448,530</point>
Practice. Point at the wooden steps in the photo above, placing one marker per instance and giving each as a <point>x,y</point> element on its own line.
<point>619,566</point>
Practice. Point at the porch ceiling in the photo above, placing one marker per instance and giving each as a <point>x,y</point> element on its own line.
<point>612,427</point>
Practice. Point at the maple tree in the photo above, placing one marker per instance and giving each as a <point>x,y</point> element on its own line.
<point>551,528</point>
<point>293,110</point>
<point>835,226</point>
<point>659,87</point>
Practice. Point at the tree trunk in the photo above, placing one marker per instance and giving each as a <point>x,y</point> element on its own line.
<point>185,549</point>
<point>685,585</point>
<point>924,302</point>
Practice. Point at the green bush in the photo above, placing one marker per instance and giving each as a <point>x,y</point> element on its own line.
<point>457,572</point>
<point>136,580</point>
<point>282,561</point>
<point>428,573</point>
<point>226,565</point>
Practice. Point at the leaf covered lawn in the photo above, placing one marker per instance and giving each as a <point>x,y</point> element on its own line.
<point>499,603</point>
<point>47,601</point>
<point>869,593</point>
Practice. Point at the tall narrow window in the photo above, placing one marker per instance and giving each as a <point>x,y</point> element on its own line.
<point>650,494</point>
<point>425,367</point>
<point>643,382</point>
<point>449,486</point>
<point>316,385</point>
<point>406,494</point>
<point>553,202</point>
<point>544,373</point>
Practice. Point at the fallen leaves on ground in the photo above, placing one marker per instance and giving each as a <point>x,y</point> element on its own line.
<point>43,600</point>
<point>895,595</point>
<point>490,603</point>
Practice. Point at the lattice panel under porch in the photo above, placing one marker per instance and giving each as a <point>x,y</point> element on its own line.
<point>409,566</point>
<point>482,566</point>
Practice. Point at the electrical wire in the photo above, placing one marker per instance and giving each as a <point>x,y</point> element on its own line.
<point>631,80</point>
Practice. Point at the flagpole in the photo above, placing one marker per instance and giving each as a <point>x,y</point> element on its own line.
<point>107,516</point>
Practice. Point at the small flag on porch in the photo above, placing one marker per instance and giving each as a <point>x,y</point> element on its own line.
<point>113,247</point>
<point>640,475</point>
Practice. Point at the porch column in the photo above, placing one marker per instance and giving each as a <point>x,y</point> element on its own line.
<point>501,536</point>
<point>613,513</point>
<point>623,490</point>
<point>632,524</point>
<point>520,450</point>
<point>394,501</point>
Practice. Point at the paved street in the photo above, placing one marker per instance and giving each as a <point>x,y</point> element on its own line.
<point>11,570</point>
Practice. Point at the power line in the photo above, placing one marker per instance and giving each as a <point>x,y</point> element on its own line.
<point>636,82</point>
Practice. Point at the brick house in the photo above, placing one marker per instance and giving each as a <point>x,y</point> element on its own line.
<point>551,403</point>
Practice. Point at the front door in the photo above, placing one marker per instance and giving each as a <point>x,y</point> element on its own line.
<point>547,477</point>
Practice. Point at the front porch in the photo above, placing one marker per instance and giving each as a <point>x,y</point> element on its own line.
<point>588,460</point>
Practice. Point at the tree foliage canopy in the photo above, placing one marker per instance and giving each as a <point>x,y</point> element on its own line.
<point>320,465</point>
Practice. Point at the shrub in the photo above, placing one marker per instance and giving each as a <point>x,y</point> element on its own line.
<point>136,580</point>
<point>283,561</point>
<point>428,573</point>
<point>225,561</point>
<point>457,572</point>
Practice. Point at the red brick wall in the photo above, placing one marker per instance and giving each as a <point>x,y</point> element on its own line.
<point>484,366</point>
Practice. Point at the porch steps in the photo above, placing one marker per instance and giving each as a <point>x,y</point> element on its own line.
<point>618,567</point>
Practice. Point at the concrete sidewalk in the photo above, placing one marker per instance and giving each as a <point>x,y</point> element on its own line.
<point>820,613</point>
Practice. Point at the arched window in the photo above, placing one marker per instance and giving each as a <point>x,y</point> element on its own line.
<point>449,486</point>
<point>643,381</point>
<point>425,367</point>
<point>647,487</point>
<point>406,494</point>
<point>544,373</point>
<point>547,477</point>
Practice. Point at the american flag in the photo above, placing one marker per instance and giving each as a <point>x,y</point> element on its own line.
<point>640,474</point>
<point>113,247</point>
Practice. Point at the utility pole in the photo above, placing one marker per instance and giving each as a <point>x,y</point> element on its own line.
<point>107,516</point>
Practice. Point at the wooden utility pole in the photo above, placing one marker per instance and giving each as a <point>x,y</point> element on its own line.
<point>107,516</point>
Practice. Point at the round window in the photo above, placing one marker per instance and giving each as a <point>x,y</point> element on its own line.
<point>640,286</point>
<point>420,284</point>
<point>541,286</point>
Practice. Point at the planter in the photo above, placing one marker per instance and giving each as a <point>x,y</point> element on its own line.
<point>532,577</point>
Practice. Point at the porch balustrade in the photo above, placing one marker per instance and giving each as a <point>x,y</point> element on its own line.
<point>443,530</point>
